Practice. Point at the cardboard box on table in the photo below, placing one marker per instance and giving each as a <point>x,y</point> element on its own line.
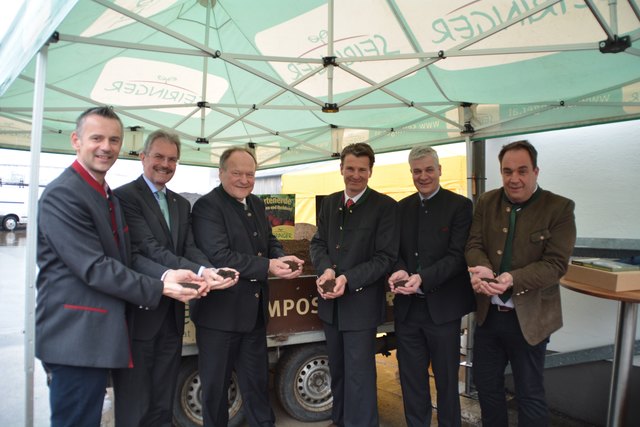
<point>617,282</point>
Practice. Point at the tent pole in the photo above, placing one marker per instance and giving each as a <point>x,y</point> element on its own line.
<point>330,36</point>
<point>470,318</point>
<point>32,231</point>
<point>476,172</point>
<point>613,18</point>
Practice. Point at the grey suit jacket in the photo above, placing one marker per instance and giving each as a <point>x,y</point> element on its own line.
<point>83,282</point>
<point>543,242</point>
<point>173,249</point>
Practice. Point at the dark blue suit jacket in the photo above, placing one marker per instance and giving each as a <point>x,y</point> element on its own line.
<point>445,279</point>
<point>223,232</point>
<point>362,244</point>
<point>173,249</point>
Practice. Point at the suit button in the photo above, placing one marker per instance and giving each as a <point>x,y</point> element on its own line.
<point>416,254</point>
<point>333,267</point>
<point>255,233</point>
<point>259,253</point>
<point>337,246</point>
<point>508,209</point>
<point>257,295</point>
<point>499,251</point>
<point>248,213</point>
<point>505,230</point>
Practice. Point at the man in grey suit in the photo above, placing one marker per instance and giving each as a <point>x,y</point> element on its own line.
<point>519,246</point>
<point>434,226</point>
<point>84,281</point>
<point>144,394</point>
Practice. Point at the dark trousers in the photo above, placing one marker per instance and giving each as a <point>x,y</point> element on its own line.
<point>76,395</point>
<point>219,353</point>
<point>420,342</point>
<point>144,394</point>
<point>500,341</point>
<point>352,364</point>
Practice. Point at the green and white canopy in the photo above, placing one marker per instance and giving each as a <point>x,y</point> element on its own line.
<point>298,79</point>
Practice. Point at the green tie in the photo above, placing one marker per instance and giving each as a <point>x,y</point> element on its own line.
<point>505,265</point>
<point>164,207</point>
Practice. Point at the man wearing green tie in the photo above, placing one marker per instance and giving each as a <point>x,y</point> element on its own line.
<point>159,223</point>
<point>519,246</point>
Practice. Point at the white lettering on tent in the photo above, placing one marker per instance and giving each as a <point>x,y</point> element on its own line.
<point>353,38</point>
<point>132,81</point>
<point>630,93</point>
<point>111,20</point>
<point>446,24</point>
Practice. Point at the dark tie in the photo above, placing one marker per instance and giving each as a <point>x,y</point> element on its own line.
<point>349,203</point>
<point>505,265</point>
<point>164,207</point>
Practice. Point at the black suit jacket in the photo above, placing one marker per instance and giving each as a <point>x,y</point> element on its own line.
<point>362,244</point>
<point>443,270</point>
<point>83,282</point>
<point>224,233</point>
<point>173,249</point>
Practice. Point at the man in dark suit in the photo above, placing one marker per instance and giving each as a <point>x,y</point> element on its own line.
<point>144,394</point>
<point>356,245</point>
<point>434,226</point>
<point>524,235</point>
<point>84,281</point>
<point>231,228</point>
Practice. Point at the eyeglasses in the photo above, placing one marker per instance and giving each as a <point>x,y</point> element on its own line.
<point>159,158</point>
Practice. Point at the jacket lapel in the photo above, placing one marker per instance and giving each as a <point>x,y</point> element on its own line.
<point>152,203</point>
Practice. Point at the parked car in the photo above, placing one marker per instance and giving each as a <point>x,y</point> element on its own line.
<point>13,206</point>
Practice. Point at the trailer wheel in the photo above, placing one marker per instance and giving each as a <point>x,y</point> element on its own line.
<point>187,404</point>
<point>10,222</point>
<point>303,383</point>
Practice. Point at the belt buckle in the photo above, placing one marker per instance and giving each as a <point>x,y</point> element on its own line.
<point>503,308</point>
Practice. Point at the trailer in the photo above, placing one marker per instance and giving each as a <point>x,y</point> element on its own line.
<point>297,357</point>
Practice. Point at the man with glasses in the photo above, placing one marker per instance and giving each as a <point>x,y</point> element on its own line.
<point>160,227</point>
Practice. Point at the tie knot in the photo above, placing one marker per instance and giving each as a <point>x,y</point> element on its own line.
<point>349,203</point>
<point>160,195</point>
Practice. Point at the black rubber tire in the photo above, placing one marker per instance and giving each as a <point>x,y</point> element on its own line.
<point>187,403</point>
<point>303,382</point>
<point>9,223</point>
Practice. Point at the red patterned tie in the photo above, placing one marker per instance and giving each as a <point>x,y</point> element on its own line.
<point>349,203</point>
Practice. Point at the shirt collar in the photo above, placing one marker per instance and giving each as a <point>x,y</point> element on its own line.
<point>152,187</point>
<point>533,197</point>
<point>430,197</point>
<point>354,198</point>
<point>103,189</point>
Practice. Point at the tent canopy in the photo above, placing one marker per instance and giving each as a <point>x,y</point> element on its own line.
<point>299,79</point>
